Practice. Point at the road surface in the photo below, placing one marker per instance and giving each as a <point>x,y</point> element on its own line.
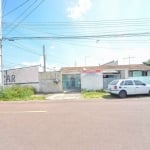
<point>76,125</point>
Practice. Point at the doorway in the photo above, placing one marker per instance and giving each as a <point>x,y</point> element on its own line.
<point>71,82</point>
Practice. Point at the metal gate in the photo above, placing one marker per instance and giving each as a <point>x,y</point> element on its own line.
<point>71,82</point>
<point>107,79</point>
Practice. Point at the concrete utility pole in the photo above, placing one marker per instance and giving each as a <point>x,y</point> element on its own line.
<point>44,58</point>
<point>1,64</point>
<point>129,58</point>
<point>85,60</point>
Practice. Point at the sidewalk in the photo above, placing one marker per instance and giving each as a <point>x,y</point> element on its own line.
<point>63,96</point>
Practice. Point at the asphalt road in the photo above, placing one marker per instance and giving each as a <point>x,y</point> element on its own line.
<point>76,125</point>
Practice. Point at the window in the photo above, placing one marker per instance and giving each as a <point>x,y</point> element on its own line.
<point>137,73</point>
<point>122,83</point>
<point>144,73</point>
<point>130,73</point>
<point>128,82</point>
<point>114,82</point>
<point>137,82</point>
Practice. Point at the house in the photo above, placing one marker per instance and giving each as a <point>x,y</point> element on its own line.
<point>73,78</point>
<point>111,72</point>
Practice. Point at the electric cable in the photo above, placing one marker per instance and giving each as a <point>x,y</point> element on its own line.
<point>4,5</point>
<point>16,8</point>
<point>26,16</point>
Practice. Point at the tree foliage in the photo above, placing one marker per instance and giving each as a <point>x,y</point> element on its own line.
<point>147,62</point>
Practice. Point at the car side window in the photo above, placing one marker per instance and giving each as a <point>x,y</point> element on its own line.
<point>137,82</point>
<point>122,83</point>
<point>128,82</point>
<point>114,82</point>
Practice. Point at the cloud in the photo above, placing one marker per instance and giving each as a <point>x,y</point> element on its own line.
<point>52,47</point>
<point>79,9</point>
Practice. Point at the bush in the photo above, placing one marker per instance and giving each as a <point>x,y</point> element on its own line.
<point>16,92</point>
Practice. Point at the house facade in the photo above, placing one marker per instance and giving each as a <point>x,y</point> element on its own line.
<point>111,72</point>
<point>73,79</point>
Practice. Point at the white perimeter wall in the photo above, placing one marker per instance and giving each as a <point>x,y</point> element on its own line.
<point>91,81</point>
<point>22,76</point>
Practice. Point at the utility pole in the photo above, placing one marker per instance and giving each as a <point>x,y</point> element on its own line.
<point>85,60</point>
<point>44,58</point>
<point>1,64</point>
<point>129,58</point>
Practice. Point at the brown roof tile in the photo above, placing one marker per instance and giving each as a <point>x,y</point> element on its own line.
<point>105,67</point>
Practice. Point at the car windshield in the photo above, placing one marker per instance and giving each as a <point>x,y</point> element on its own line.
<point>114,82</point>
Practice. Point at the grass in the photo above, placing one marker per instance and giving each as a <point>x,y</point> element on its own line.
<point>95,94</point>
<point>19,93</point>
<point>37,97</point>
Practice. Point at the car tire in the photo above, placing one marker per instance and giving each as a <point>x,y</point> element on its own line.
<point>149,92</point>
<point>122,94</point>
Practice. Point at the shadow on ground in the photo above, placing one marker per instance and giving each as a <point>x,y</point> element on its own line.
<point>128,97</point>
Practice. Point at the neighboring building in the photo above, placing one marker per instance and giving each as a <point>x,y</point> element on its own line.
<point>22,76</point>
<point>44,82</point>
<point>73,78</point>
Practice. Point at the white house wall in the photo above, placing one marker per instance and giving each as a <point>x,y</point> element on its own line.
<point>91,81</point>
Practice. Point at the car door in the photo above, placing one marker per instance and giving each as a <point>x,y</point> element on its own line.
<point>129,86</point>
<point>141,88</point>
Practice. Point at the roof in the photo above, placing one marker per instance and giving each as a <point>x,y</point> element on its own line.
<point>105,67</point>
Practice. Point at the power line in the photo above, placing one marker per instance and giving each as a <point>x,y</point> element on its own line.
<point>69,29</point>
<point>79,37</point>
<point>29,50</point>
<point>20,15</point>
<point>91,22</point>
<point>79,25</point>
<point>20,46</point>
<point>26,16</point>
<point>15,9</point>
<point>12,64</point>
<point>4,5</point>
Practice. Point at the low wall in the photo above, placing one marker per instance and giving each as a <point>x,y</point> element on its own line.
<point>50,82</point>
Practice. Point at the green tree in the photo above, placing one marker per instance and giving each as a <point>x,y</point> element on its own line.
<point>147,62</point>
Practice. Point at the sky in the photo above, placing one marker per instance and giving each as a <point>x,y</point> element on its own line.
<point>94,32</point>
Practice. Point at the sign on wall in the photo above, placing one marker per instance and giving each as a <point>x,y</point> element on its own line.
<point>24,75</point>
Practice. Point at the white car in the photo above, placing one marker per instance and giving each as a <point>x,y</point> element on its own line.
<point>124,87</point>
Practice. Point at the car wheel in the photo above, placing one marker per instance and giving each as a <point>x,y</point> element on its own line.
<point>122,94</point>
<point>149,92</point>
